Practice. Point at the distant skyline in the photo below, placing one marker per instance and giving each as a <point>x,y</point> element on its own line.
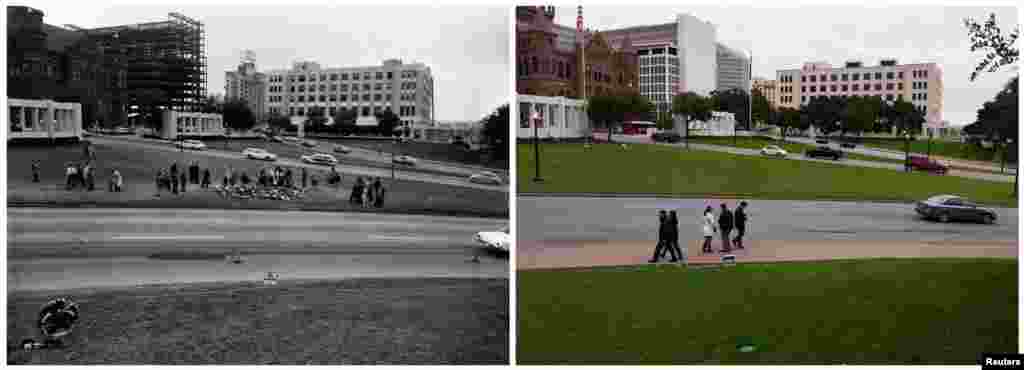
<point>466,47</point>
<point>785,38</point>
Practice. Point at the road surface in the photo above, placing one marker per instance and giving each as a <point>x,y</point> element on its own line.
<point>72,248</point>
<point>885,153</point>
<point>801,157</point>
<point>573,219</point>
<point>459,181</point>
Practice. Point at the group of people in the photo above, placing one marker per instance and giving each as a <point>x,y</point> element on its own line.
<point>81,175</point>
<point>368,194</point>
<point>276,176</point>
<point>175,181</point>
<point>726,221</point>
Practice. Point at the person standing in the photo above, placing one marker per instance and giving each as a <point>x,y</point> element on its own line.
<point>378,187</point>
<point>183,181</point>
<point>159,181</point>
<point>206,178</point>
<point>174,181</point>
<point>305,177</point>
<point>118,181</point>
<point>740,216</point>
<point>357,191</point>
<point>662,236</point>
<point>725,224</point>
<point>69,174</point>
<point>673,221</point>
<point>35,171</point>
<point>708,221</point>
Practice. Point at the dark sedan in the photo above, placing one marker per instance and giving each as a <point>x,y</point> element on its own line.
<point>946,208</point>
<point>824,152</point>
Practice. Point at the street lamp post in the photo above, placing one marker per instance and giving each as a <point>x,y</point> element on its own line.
<point>535,117</point>
<point>906,162</point>
<point>1006,148</point>
<point>929,155</point>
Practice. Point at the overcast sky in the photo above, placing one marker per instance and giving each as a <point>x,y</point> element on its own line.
<point>784,38</point>
<point>466,47</point>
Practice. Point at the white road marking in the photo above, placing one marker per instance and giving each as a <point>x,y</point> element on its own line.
<point>397,237</point>
<point>167,237</point>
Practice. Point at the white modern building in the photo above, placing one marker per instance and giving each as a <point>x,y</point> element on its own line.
<point>405,89</point>
<point>733,69</point>
<point>558,117</point>
<point>720,124</point>
<point>191,124</point>
<point>698,59</point>
<point>43,119</point>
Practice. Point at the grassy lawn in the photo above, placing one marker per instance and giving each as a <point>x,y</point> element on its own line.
<point>657,169</point>
<point>941,148</point>
<point>887,311</point>
<point>428,151</point>
<point>395,321</point>
<point>138,166</point>
<point>793,148</point>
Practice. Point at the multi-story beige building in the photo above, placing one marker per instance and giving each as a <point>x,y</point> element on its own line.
<point>248,85</point>
<point>920,84</point>
<point>768,89</point>
<point>405,89</point>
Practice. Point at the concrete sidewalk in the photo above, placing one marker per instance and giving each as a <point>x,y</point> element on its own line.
<point>579,254</point>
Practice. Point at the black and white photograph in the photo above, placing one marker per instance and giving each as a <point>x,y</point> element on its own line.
<point>291,184</point>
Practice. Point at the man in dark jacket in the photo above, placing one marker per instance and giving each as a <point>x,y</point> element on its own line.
<point>740,217</point>
<point>663,237</point>
<point>725,223</point>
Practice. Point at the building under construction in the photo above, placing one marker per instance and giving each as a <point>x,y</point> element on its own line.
<point>136,69</point>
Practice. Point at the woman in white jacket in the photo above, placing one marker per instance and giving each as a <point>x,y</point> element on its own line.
<point>708,226</point>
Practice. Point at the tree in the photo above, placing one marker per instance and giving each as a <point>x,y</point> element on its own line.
<point>638,107</point>
<point>495,131</point>
<point>824,113</point>
<point>786,118</point>
<point>989,38</point>
<point>278,122</point>
<point>998,118</point>
<point>387,121</point>
<point>665,123</point>
<point>860,114</point>
<point>237,115</point>
<point>604,110</point>
<point>762,109</point>
<point>734,101</point>
<point>904,116</point>
<point>316,119</point>
<point>345,121</point>
<point>212,104</point>
<point>691,106</point>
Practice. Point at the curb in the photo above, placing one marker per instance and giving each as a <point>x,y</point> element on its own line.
<point>700,196</point>
<point>419,212</point>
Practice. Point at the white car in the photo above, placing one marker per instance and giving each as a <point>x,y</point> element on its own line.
<point>486,177</point>
<point>259,153</point>
<point>495,240</point>
<point>320,158</point>
<point>774,150</point>
<point>404,159</point>
<point>192,144</point>
<point>342,149</point>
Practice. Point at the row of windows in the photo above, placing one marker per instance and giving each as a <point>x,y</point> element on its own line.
<point>559,68</point>
<point>324,98</point>
<point>335,87</point>
<point>855,87</point>
<point>363,111</point>
<point>658,61</point>
<point>654,69</point>
<point>786,89</point>
<point>786,78</point>
<point>919,96</point>
<point>849,76</point>
<point>342,76</point>
<point>920,73</point>
<point>671,51</point>
<point>920,84</point>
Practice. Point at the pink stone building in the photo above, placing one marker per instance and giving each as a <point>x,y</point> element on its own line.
<point>920,84</point>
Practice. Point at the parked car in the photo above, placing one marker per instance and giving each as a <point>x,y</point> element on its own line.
<point>774,150</point>
<point>191,144</point>
<point>824,152</point>
<point>342,149</point>
<point>259,153</point>
<point>495,240</point>
<point>320,158</point>
<point>822,141</point>
<point>848,144</point>
<point>277,139</point>
<point>924,163</point>
<point>309,143</point>
<point>125,130</point>
<point>486,177</point>
<point>404,159</point>
<point>946,208</point>
<point>666,137</point>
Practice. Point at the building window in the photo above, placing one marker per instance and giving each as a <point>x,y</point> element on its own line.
<point>366,75</point>
<point>323,88</point>
<point>391,75</point>
<point>355,97</point>
<point>344,76</point>
<point>302,98</point>
<point>387,97</point>
<point>332,98</point>
<point>878,87</point>
<point>899,75</point>
<point>803,78</point>
<point>291,111</point>
<point>878,75</point>
<point>867,76</point>
<point>301,111</point>
<point>834,78</point>
<point>856,87</point>
<point>814,89</point>
<point>845,76</point>
<point>366,87</point>
<point>856,76</point>
<point>803,99</point>
<point>814,79</point>
<point>355,76</point>
<point>366,111</point>
<point>377,86</point>
<point>833,89</point>
<point>380,75</point>
<point>343,98</point>
<point>323,98</point>
<point>888,86</point>
<point>366,97</point>
<point>334,76</point>
<point>846,87</point>
<point>899,86</point>
<point>867,87</point>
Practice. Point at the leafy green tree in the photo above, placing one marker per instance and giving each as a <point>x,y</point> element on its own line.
<point>734,101</point>
<point>604,110</point>
<point>495,131</point>
<point>665,123</point>
<point>237,115</point>
<point>859,114</point>
<point>345,121</point>
<point>762,109</point>
<point>786,118</point>
<point>691,106</point>
<point>999,49</point>
<point>278,122</point>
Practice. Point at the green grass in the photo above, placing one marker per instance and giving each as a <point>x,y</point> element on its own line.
<point>891,311</point>
<point>658,169</point>
<point>940,148</point>
<point>793,148</point>
<point>371,321</point>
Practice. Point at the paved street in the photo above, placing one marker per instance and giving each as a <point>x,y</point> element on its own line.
<point>801,157</point>
<point>627,219</point>
<point>213,151</point>
<point>884,153</point>
<point>104,247</point>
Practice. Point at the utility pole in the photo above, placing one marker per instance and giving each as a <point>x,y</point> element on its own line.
<point>535,117</point>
